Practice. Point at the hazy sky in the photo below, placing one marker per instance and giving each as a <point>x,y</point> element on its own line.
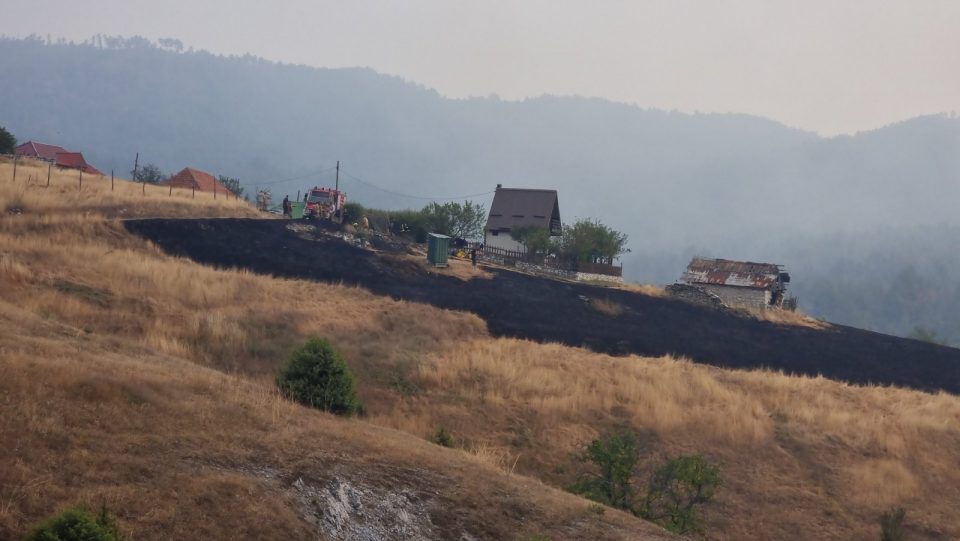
<point>831,66</point>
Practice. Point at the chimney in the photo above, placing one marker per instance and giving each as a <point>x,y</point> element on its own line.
<point>499,186</point>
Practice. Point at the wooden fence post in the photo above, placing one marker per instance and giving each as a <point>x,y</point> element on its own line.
<point>193,189</point>
<point>111,180</point>
<point>171,190</point>
<point>49,168</point>
<point>15,156</point>
<point>81,178</point>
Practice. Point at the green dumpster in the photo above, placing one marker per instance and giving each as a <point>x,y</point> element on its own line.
<point>296,209</point>
<point>438,248</point>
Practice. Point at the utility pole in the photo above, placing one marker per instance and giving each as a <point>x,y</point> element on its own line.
<point>136,162</point>
<point>338,176</point>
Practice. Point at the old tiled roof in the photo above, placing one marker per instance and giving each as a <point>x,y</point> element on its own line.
<point>39,150</point>
<point>201,181</point>
<point>75,160</point>
<point>518,207</point>
<point>734,273</point>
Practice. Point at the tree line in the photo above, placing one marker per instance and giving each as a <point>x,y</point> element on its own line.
<point>585,241</point>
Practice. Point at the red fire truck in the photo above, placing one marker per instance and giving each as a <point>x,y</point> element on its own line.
<point>326,203</point>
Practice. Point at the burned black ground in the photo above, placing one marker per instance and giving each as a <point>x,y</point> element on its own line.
<point>517,305</point>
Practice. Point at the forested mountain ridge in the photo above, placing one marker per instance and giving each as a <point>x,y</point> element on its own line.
<point>844,214</point>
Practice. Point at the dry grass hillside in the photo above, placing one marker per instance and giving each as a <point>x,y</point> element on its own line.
<point>145,381</point>
<point>30,194</point>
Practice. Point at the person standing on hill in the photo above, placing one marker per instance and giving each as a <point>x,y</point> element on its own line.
<point>286,206</point>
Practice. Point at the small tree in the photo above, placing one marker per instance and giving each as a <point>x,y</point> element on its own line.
<point>616,455</point>
<point>149,173</point>
<point>8,143</point>
<point>589,241</point>
<point>232,184</point>
<point>317,376</point>
<point>891,525</point>
<point>536,239</point>
<point>676,490</point>
<point>77,525</point>
<point>462,221</point>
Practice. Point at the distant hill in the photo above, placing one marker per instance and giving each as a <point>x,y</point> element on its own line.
<point>727,185</point>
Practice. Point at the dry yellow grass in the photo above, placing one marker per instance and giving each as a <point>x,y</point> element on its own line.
<point>85,303</point>
<point>788,317</point>
<point>30,194</point>
<point>606,306</point>
<point>644,289</point>
<point>457,268</point>
<point>145,382</point>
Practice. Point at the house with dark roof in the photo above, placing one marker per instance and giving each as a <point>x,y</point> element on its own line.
<point>195,179</point>
<point>740,284</point>
<point>513,208</point>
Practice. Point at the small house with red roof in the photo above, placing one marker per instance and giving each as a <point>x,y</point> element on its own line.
<point>56,155</point>
<point>41,151</point>
<point>75,160</point>
<point>195,179</point>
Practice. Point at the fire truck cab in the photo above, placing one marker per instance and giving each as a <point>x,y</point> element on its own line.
<point>326,203</point>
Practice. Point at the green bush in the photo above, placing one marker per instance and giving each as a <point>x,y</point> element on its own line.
<point>616,456</point>
<point>443,437</point>
<point>317,376</point>
<point>676,490</point>
<point>77,525</point>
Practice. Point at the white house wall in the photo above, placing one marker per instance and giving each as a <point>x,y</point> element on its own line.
<point>504,241</point>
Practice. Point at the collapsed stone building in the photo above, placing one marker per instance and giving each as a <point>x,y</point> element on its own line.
<point>734,284</point>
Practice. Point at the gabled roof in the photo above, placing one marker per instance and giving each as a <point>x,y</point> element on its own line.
<point>75,160</point>
<point>518,207</point>
<point>201,181</point>
<point>39,150</point>
<point>734,273</point>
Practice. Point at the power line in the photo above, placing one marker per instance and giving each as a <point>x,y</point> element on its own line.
<point>421,197</point>
<point>298,177</point>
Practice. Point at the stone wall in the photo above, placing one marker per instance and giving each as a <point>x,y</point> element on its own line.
<point>695,295</point>
<point>740,297</point>
<point>594,277</point>
<point>552,272</point>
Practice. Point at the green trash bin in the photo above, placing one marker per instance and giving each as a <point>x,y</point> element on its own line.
<point>296,209</point>
<point>438,249</point>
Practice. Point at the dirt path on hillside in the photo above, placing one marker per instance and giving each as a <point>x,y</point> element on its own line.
<point>522,306</point>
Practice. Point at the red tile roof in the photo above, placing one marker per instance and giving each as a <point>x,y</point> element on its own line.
<point>75,160</point>
<point>39,150</point>
<point>191,178</point>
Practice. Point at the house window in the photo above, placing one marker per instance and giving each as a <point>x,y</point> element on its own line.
<point>494,232</point>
